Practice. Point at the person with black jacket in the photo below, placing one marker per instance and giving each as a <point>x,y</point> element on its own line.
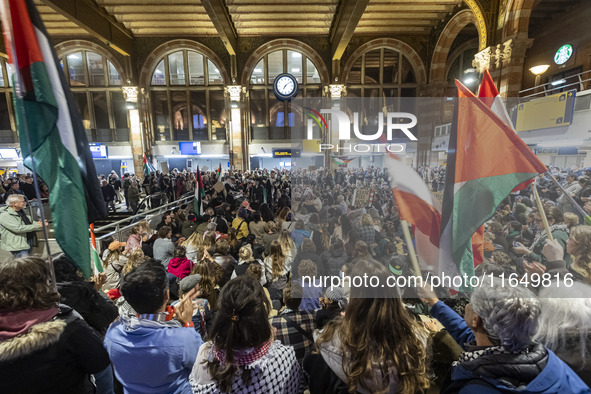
<point>44,347</point>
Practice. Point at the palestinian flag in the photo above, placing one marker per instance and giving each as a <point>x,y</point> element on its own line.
<point>52,136</point>
<point>486,160</point>
<point>342,161</point>
<point>148,166</point>
<point>199,193</point>
<point>218,173</point>
<point>98,264</point>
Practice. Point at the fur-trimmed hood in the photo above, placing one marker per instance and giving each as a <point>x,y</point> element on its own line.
<point>39,337</point>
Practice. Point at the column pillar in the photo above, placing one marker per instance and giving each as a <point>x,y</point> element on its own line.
<point>510,58</point>
<point>238,141</point>
<point>335,92</point>
<point>428,111</point>
<point>136,131</point>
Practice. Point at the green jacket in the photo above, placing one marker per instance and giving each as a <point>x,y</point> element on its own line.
<point>13,231</point>
<point>558,233</point>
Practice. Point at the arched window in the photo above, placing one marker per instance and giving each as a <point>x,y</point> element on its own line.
<point>187,97</point>
<point>270,118</point>
<point>381,72</point>
<point>7,123</point>
<point>96,86</point>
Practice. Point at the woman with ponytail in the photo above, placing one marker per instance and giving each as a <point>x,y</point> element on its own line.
<point>243,356</point>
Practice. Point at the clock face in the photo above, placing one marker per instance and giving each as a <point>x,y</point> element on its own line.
<point>285,87</point>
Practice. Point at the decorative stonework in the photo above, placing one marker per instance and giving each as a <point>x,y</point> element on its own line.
<point>336,91</point>
<point>234,91</point>
<point>480,22</point>
<point>482,60</point>
<point>130,93</point>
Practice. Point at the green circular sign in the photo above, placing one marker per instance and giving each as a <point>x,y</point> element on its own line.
<point>563,54</point>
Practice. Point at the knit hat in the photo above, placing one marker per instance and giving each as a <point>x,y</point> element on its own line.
<point>189,282</point>
<point>336,294</point>
<point>116,245</point>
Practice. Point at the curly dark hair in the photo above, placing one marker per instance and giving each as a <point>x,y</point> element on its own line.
<point>24,284</point>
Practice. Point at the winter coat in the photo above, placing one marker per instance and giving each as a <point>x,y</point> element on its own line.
<point>334,260</point>
<point>227,263</point>
<point>55,356</point>
<point>180,267</point>
<point>113,271</point>
<point>537,371</point>
<point>133,194</point>
<point>96,310</point>
<point>13,232</point>
<point>188,228</point>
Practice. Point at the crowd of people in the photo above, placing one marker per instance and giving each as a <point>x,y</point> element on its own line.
<point>212,298</point>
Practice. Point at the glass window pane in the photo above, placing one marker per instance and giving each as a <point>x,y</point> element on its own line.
<point>354,77</point>
<point>199,114</point>
<point>1,75</point>
<point>196,72</point>
<point>258,114</point>
<point>215,77</point>
<point>114,77</point>
<point>372,67</point>
<point>408,75</point>
<point>391,60</point>
<point>119,110</point>
<point>275,60</point>
<point>219,115</point>
<point>276,118</point>
<point>161,116</point>
<point>176,68</point>
<point>312,75</point>
<point>294,65</point>
<point>180,116</point>
<point>258,74</point>
<point>9,74</point>
<point>76,69</point>
<point>96,71</point>
<point>158,77</point>
<point>4,116</point>
<point>82,104</point>
<point>101,116</point>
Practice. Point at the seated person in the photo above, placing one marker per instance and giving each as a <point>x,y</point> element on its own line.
<point>242,355</point>
<point>131,341</point>
<point>332,304</point>
<point>294,326</point>
<point>201,310</point>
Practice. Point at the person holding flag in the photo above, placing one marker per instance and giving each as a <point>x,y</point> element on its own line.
<point>52,137</point>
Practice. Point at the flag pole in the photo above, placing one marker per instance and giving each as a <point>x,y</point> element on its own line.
<point>37,192</point>
<point>542,213</point>
<point>572,200</point>
<point>411,248</point>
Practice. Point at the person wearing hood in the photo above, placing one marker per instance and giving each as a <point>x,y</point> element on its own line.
<point>179,265</point>
<point>131,341</point>
<point>45,347</point>
<point>376,347</point>
<point>496,335</point>
<point>190,225</point>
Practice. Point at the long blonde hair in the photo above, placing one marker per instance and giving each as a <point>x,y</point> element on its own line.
<point>277,258</point>
<point>194,241</point>
<point>378,334</point>
<point>581,235</point>
<point>287,246</point>
<point>135,259</point>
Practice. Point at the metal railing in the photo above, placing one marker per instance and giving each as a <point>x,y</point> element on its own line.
<point>122,230</point>
<point>577,81</point>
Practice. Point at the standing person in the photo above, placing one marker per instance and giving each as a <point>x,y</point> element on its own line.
<point>242,356</point>
<point>132,196</point>
<point>108,195</point>
<point>14,188</point>
<point>151,353</point>
<point>126,184</point>
<point>17,230</point>
<point>44,347</point>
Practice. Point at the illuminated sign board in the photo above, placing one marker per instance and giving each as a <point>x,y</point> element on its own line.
<point>563,54</point>
<point>190,148</point>
<point>286,153</point>
<point>98,151</point>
